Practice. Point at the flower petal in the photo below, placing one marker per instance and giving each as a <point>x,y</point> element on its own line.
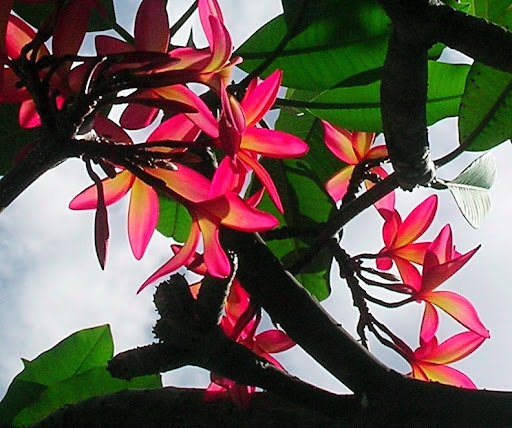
<point>429,323</point>
<point>206,9</point>
<point>215,258</point>
<point>273,341</point>
<point>264,177</point>
<point>185,181</point>
<point>446,375</point>
<point>435,275</point>
<point>417,222</point>
<point>337,185</point>
<point>361,142</point>
<point>455,348</point>
<point>221,47</point>
<point>152,26</point>
<point>273,144</point>
<point>259,100</point>
<point>182,258</point>
<point>409,274</point>
<point>178,128</point>
<point>142,217</point>
<point>113,188</point>
<point>238,214</point>
<point>203,118</point>
<point>414,252</point>
<point>338,141</point>
<point>459,308</point>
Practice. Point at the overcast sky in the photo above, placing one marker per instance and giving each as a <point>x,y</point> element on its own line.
<point>51,284</point>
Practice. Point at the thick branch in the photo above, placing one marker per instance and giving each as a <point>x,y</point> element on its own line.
<point>186,408</point>
<point>36,162</point>
<point>303,319</point>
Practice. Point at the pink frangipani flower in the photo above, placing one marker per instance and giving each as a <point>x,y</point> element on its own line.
<point>440,263</point>
<point>352,148</point>
<point>429,361</point>
<point>399,236</point>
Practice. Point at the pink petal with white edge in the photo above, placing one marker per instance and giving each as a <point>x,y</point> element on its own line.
<point>113,189</point>
<point>273,341</point>
<point>273,144</point>
<point>429,323</point>
<point>417,222</point>
<point>215,258</point>
<point>152,26</point>
<point>338,141</point>
<point>459,308</point>
<point>446,375</point>
<point>337,185</point>
<point>142,217</point>
<point>258,101</point>
<point>180,259</point>
<point>455,348</point>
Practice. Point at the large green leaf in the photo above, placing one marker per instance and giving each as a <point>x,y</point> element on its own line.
<point>36,13</point>
<point>334,40</point>
<point>485,109</point>
<point>358,108</point>
<point>12,137</point>
<point>470,189</point>
<point>174,221</point>
<point>71,371</point>
<point>300,185</point>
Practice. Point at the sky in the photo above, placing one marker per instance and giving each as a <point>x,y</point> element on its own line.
<point>51,284</point>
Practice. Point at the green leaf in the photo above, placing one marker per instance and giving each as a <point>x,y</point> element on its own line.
<point>358,108</point>
<point>93,382</point>
<point>174,221</point>
<point>470,189</point>
<point>300,186</point>
<point>71,371</point>
<point>485,109</point>
<point>486,106</point>
<point>36,13</point>
<point>330,42</point>
<point>12,137</point>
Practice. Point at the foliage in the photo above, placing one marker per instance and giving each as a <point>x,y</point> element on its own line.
<point>73,370</point>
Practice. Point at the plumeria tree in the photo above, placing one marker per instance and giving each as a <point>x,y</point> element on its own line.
<point>255,207</point>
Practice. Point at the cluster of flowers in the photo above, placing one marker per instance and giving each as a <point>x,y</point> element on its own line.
<point>160,73</point>
<point>439,260</point>
<point>232,127</point>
